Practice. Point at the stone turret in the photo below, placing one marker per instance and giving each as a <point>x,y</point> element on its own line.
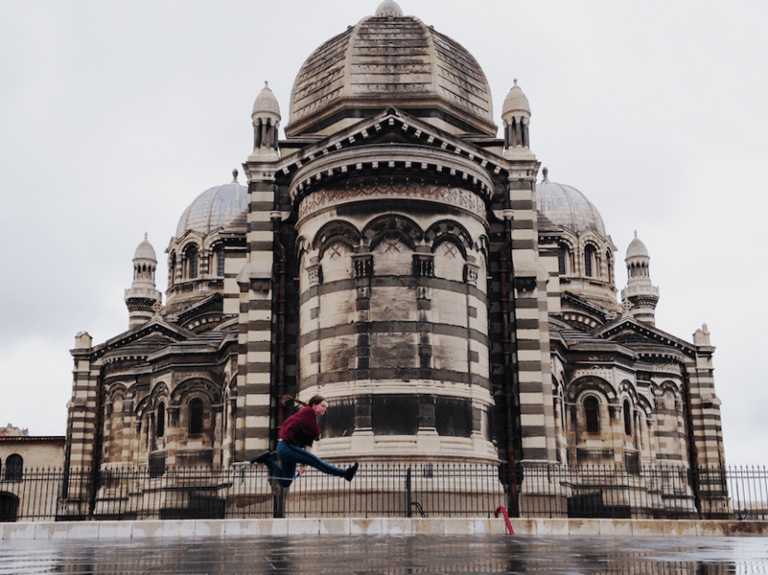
<point>639,291</point>
<point>266,123</point>
<point>516,115</point>
<point>142,295</point>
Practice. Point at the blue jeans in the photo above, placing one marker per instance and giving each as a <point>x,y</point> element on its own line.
<point>290,455</point>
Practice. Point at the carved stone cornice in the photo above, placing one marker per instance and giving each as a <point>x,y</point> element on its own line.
<point>416,162</point>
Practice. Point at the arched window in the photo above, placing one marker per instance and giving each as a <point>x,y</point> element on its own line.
<point>172,269</point>
<point>14,467</point>
<point>609,262</point>
<point>161,420</point>
<point>195,416</point>
<point>592,414</point>
<point>627,418</point>
<point>562,258</point>
<point>193,263</point>
<point>220,259</point>
<point>589,258</point>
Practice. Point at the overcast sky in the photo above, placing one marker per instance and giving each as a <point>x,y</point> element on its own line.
<point>115,115</point>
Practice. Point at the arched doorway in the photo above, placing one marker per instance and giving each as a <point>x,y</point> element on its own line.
<point>9,507</point>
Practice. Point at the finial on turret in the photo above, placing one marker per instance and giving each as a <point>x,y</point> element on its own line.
<point>701,336</point>
<point>146,236</point>
<point>389,8</point>
<point>545,174</point>
<point>234,176</point>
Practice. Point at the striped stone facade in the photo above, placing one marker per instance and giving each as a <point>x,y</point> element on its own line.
<point>395,256</point>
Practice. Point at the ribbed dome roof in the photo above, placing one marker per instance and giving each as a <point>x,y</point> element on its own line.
<point>266,103</point>
<point>214,208</point>
<point>145,251</point>
<point>515,102</point>
<point>390,60</point>
<point>568,207</point>
<point>637,249</point>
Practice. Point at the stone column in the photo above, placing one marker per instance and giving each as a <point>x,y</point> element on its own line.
<point>252,422</point>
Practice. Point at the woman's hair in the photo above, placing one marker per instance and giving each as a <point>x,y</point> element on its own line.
<point>316,399</point>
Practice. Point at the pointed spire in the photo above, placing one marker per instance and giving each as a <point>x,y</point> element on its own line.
<point>516,103</point>
<point>145,251</point>
<point>266,105</point>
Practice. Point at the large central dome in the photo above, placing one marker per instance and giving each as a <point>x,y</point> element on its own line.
<point>391,60</point>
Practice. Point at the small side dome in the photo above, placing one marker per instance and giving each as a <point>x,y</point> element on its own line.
<point>215,208</point>
<point>389,8</point>
<point>568,207</point>
<point>266,104</point>
<point>145,251</point>
<point>636,249</point>
<point>515,102</point>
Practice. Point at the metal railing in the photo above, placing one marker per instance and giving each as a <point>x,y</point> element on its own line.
<point>381,490</point>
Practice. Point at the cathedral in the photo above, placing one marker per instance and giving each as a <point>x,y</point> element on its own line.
<point>395,255</point>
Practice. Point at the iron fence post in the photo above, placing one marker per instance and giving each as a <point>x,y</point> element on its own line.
<point>408,494</point>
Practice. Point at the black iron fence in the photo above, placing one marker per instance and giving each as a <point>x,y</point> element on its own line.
<point>429,490</point>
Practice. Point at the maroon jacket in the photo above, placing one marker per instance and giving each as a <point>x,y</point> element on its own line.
<point>301,428</point>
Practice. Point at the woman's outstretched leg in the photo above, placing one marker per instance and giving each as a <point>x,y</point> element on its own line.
<point>290,453</point>
<point>285,474</point>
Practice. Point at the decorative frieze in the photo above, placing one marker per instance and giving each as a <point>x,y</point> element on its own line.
<point>418,190</point>
<point>668,368</point>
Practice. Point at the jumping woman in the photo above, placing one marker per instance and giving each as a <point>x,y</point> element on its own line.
<point>296,434</point>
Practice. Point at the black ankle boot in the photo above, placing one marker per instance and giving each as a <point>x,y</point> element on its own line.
<point>349,474</point>
<point>262,457</point>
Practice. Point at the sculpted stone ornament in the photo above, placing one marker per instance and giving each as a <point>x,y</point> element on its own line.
<point>351,192</point>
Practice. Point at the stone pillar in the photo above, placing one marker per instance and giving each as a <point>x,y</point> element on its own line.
<point>82,407</point>
<point>254,379</point>
<point>706,433</point>
<point>531,327</point>
<point>529,299</point>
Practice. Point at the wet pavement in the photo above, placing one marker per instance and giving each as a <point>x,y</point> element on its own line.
<point>367,555</point>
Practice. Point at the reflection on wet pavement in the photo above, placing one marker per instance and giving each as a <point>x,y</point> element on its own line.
<point>425,555</point>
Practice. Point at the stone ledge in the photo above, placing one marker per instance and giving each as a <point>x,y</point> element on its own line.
<point>381,526</point>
